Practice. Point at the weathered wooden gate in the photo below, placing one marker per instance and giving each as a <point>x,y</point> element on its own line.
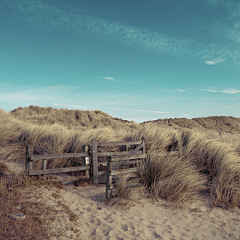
<point>97,151</point>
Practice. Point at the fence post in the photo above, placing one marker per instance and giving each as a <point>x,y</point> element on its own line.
<point>126,147</point>
<point>143,149</point>
<point>44,166</point>
<point>95,162</point>
<point>29,161</point>
<point>85,160</point>
<point>109,179</point>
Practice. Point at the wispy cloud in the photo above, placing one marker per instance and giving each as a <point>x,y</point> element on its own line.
<point>138,110</point>
<point>48,93</point>
<point>231,91</point>
<point>180,90</point>
<point>158,112</point>
<point>110,79</point>
<point>44,12</point>
<point>185,115</point>
<point>78,23</point>
<point>209,90</point>
<point>225,33</point>
<point>215,61</point>
<point>116,109</point>
<point>138,119</point>
<point>226,91</point>
<point>71,106</point>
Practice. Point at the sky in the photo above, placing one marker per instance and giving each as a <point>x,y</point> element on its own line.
<point>138,60</point>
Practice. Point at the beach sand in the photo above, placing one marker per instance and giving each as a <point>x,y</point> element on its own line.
<point>147,220</point>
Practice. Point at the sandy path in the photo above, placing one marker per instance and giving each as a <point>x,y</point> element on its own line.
<point>147,221</point>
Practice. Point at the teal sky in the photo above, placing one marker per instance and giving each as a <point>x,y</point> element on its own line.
<point>133,59</point>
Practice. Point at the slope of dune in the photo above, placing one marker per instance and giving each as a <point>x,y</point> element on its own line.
<point>71,118</point>
<point>97,118</point>
<point>217,123</point>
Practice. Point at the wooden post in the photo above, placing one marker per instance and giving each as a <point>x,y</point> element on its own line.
<point>109,179</point>
<point>44,166</point>
<point>85,160</point>
<point>126,147</point>
<point>143,148</point>
<point>94,162</point>
<point>29,161</point>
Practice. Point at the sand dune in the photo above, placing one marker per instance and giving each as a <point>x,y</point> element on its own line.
<point>146,220</point>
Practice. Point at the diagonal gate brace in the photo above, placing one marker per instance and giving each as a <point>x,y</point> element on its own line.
<point>103,177</point>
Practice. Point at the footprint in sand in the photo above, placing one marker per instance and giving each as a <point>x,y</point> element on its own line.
<point>95,221</point>
<point>124,227</point>
<point>109,219</point>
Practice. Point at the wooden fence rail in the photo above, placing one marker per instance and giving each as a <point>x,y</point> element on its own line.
<point>111,172</point>
<point>30,157</point>
<point>132,152</point>
<point>101,176</point>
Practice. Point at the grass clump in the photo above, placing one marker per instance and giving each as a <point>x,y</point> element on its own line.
<point>208,162</point>
<point>173,178</point>
<point>15,197</point>
<point>128,191</point>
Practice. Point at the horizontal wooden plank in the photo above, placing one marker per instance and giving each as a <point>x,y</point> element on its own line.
<point>58,170</point>
<point>101,172</point>
<point>122,171</point>
<point>104,154</point>
<point>128,157</point>
<point>101,149</point>
<point>132,162</point>
<point>119,143</point>
<point>64,155</point>
<point>126,163</point>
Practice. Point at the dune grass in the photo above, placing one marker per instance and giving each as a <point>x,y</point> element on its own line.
<point>207,163</point>
<point>15,198</point>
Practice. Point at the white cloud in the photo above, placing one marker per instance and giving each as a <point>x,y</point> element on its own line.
<point>117,109</point>
<point>44,12</point>
<point>230,91</point>
<point>71,106</point>
<point>215,61</point>
<point>158,112</point>
<point>180,90</point>
<point>137,110</point>
<point>226,91</point>
<point>209,90</point>
<point>185,115</point>
<point>110,78</point>
<point>137,120</point>
<point>65,19</point>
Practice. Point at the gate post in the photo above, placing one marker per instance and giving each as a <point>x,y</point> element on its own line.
<point>109,179</point>
<point>143,149</point>
<point>86,160</point>
<point>28,161</point>
<point>95,162</point>
<point>44,166</point>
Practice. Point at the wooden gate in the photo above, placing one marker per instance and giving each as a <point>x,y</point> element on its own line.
<point>97,151</point>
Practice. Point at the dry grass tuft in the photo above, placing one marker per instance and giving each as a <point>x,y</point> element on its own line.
<point>173,178</point>
<point>13,200</point>
<point>129,191</point>
<point>207,163</point>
